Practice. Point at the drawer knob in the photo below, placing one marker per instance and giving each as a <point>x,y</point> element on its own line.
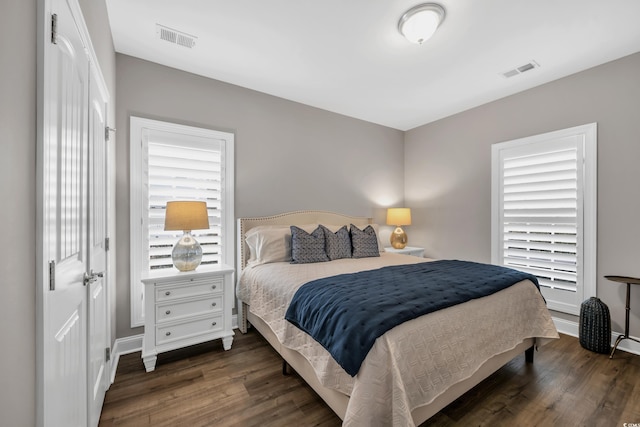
<point>167,312</point>
<point>168,333</point>
<point>167,293</point>
<point>214,323</point>
<point>213,304</point>
<point>213,287</point>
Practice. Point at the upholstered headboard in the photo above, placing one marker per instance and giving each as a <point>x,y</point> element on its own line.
<point>287,218</point>
<point>291,218</point>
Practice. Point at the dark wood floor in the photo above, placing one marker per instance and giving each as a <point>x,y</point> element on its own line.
<point>205,386</point>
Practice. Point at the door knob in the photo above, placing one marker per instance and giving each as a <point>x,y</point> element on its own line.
<point>91,277</point>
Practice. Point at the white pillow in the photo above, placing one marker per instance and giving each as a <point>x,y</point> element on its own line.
<point>380,245</point>
<point>271,243</point>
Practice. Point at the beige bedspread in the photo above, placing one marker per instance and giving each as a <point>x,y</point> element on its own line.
<point>413,363</point>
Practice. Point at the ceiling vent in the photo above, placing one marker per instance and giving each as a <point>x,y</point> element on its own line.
<point>176,37</point>
<point>521,69</point>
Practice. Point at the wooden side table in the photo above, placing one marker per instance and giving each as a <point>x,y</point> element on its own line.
<point>629,281</point>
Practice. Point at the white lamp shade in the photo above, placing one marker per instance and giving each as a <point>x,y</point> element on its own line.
<point>421,22</point>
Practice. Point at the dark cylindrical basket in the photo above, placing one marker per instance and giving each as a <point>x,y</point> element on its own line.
<point>595,326</point>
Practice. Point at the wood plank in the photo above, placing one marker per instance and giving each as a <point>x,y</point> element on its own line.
<point>204,385</point>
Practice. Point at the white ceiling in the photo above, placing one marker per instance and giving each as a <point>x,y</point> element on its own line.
<point>347,56</point>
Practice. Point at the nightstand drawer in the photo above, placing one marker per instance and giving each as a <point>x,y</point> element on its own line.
<point>178,331</point>
<point>194,307</point>
<point>190,288</point>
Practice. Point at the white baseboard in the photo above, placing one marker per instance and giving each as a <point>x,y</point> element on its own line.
<point>121,347</point>
<point>566,327</point>
<point>569,327</point>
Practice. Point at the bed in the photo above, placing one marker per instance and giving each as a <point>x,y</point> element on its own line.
<point>413,370</point>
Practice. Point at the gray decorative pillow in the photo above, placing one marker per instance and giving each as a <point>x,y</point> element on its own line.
<point>338,244</point>
<point>305,247</point>
<point>364,242</point>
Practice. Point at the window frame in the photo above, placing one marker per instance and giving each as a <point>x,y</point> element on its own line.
<point>587,210</point>
<point>138,202</point>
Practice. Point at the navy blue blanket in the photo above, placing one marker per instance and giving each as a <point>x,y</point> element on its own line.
<point>348,312</point>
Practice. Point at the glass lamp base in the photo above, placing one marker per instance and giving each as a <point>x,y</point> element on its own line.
<point>398,238</point>
<point>187,253</point>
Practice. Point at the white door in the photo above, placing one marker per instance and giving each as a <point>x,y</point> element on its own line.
<point>64,215</point>
<point>98,337</point>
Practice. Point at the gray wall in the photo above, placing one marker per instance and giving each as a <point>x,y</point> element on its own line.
<point>18,190</point>
<point>448,170</point>
<point>17,218</point>
<point>288,156</point>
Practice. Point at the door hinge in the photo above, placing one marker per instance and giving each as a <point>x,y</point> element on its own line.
<point>52,275</point>
<point>106,244</point>
<point>107,354</point>
<point>54,28</point>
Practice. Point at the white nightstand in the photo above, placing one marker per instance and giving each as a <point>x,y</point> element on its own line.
<point>186,308</point>
<point>407,250</point>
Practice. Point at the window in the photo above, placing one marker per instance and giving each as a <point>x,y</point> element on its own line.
<point>177,162</point>
<point>544,212</point>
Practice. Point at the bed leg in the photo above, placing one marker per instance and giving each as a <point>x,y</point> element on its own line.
<point>285,371</point>
<point>242,317</point>
<point>528,354</point>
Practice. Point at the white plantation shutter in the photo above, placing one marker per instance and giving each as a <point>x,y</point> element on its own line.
<point>181,168</point>
<point>176,162</point>
<point>540,212</point>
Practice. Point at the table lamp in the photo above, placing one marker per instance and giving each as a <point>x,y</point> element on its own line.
<point>186,216</point>
<point>398,217</point>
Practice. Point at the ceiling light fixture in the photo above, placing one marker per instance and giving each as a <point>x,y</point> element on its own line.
<point>420,22</point>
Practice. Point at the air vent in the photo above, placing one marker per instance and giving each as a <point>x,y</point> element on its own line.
<point>176,37</point>
<point>521,69</point>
